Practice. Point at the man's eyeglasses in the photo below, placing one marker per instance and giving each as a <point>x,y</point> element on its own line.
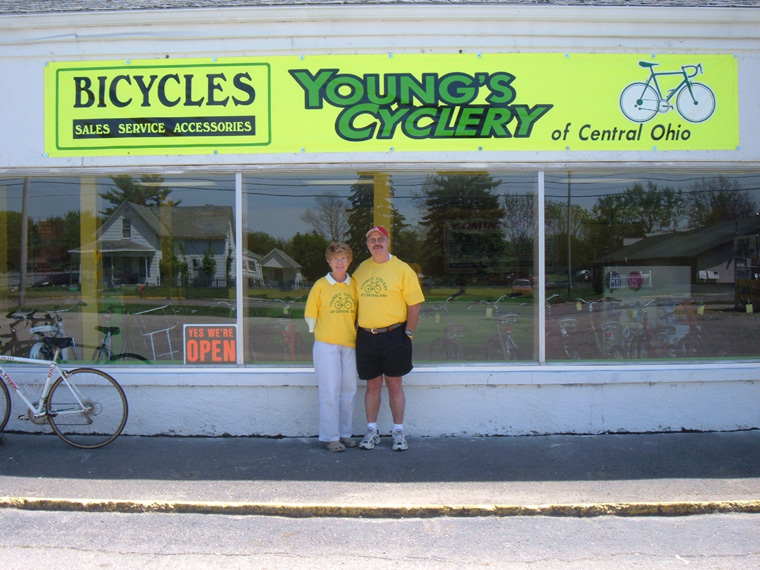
<point>381,239</point>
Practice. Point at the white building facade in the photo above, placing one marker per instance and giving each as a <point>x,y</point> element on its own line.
<point>498,141</point>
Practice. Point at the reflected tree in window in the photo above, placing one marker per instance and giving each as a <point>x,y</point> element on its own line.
<point>148,191</point>
<point>309,251</point>
<point>362,215</point>
<point>330,218</point>
<point>718,200</point>
<point>462,219</point>
<point>519,229</point>
<point>634,213</point>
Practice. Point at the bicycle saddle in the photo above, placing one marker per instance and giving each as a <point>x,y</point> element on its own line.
<point>108,330</point>
<point>59,342</point>
<point>648,64</point>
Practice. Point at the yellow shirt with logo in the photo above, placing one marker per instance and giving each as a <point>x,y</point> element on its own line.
<point>385,291</point>
<point>333,305</point>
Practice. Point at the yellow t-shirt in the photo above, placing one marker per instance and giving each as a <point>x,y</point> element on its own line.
<point>333,305</point>
<point>385,291</point>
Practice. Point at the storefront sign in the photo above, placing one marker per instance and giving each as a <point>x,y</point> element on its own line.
<point>210,344</point>
<point>393,103</point>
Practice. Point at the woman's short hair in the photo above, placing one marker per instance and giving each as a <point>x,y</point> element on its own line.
<point>338,247</point>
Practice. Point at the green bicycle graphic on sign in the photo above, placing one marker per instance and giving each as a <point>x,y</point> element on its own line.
<point>641,101</point>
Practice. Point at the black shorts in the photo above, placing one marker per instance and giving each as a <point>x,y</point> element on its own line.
<point>388,353</point>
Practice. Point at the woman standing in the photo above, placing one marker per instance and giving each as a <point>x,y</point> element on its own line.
<point>331,316</point>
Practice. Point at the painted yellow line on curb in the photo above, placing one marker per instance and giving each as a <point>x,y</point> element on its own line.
<point>383,511</point>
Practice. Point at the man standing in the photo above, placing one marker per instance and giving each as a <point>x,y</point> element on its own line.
<point>389,308</point>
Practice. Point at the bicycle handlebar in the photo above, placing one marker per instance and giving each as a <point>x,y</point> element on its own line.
<point>697,69</point>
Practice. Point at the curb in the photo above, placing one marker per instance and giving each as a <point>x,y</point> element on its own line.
<point>662,509</point>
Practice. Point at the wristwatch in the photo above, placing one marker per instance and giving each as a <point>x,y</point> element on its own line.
<point>410,334</point>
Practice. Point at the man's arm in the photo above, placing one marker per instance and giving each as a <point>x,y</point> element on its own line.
<point>412,316</point>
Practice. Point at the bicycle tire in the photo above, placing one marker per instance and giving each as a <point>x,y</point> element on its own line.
<point>437,351</point>
<point>495,349</point>
<point>456,352</point>
<point>639,102</point>
<point>445,350</point>
<point>87,408</point>
<point>130,356</point>
<point>513,354</point>
<point>697,105</point>
<point>100,356</point>
<point>5,403</point>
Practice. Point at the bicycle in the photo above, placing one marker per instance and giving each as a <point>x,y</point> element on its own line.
<point>86,407</point>
<point>651,342</point>
<point>53,328</point>
<point>501,345</point>
<point>641,101</point>
<point>565,326</point>
<point>104,352</point>
<point>446,346</point>
<point>604,333</point>
<point>11,343</point>
<point>492,307</point>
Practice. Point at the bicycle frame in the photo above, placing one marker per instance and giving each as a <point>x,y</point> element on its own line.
<point>642,100</point>
<point>38,412</point>
<point>672,92</point>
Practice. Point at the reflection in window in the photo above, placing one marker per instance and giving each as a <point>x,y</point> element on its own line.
<point>106,261</point>
<point>639,265</point>
<point>652,266</point>
<point>470,237</point>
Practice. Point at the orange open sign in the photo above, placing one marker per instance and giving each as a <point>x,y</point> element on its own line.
<point>210,344</point>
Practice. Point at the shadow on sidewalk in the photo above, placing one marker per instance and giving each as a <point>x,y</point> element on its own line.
<point>718,455</point>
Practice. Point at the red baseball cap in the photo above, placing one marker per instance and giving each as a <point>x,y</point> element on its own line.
<point>380,229</point>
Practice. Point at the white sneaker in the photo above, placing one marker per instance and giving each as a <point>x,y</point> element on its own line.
<point>399,441</point>
<point>371,439</point>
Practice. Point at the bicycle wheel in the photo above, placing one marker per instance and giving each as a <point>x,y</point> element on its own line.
<point>495,349</point>
<point>513,354</point>
<point>130,357</point>
<point>697,105</point>
<point>444,349</point>
<point>639,102</point>
<point>438,351</point>
<point>456,353</point>
<point>87,408</point>
<point>5,406</point>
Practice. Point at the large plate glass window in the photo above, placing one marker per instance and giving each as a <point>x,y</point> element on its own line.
<point>119,263</point>
<point>469,235</point>
<point>652,265</point>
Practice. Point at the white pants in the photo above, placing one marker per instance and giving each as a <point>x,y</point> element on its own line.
<point>335,366</point>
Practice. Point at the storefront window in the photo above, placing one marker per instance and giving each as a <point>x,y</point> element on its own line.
<point>639,266</point>
<point>119,263</point>
<point>469,236</point>
<point>643,265</point>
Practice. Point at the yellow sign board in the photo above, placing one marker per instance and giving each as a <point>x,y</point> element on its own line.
<point>393,103</point>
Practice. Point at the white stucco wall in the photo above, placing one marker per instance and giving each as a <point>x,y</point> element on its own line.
<point>467,400</point>
<point>504,400</point>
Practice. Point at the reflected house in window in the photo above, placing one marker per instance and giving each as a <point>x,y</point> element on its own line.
<point>191,232</point>
<point>708,254</point>
<point>252,269</point>
<point>281,270</point>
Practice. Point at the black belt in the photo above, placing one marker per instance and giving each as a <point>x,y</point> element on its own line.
<point>382,329</point>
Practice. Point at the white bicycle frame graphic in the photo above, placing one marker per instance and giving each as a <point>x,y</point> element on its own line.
<point>641,101</point>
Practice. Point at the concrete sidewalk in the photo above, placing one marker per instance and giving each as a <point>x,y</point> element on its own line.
<point>649,474</point>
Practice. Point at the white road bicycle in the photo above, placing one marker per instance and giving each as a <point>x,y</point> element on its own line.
<point>85,407</point>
